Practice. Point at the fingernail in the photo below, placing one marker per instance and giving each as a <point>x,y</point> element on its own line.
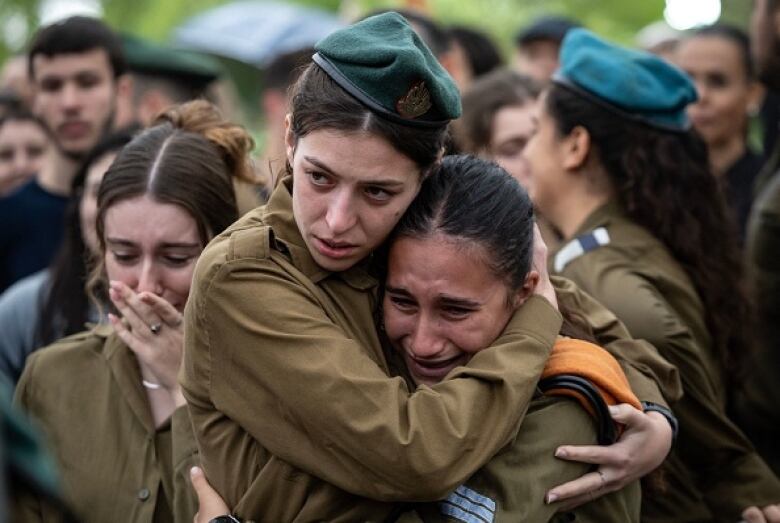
<point>111,318</point>
<point>194,471</point>
<point>113,284</point>
<point>551,498</point>
<point>561,453</point>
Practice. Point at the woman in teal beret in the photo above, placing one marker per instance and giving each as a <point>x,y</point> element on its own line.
<point>289,390</point>
<point>616,168</point>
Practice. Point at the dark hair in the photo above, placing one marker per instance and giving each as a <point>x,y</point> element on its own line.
<point>75,35</point>
<point>736,36</point>
<point>319,103</point>
<point>21,114</point>
<point>477,203</point>
<point>284,70</point>
<point>64,304</point>
<point>482,53</point>
<point>189,158</point>
<point>485,97</point>
<point>662,180</point>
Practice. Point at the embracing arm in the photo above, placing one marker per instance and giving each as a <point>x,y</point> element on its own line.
<point>312,396</point>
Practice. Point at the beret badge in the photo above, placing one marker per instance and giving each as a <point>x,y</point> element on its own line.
<point>416,102</point>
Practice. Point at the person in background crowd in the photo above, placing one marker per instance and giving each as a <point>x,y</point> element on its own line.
<point>660,39</point>
<point>14,79</point>
<point>617,170</point>
<point>537,46</point>
<point>121,434</point>
<point>756,407</point>
<point>51,304</point>
<point>368,123</point>
<point>24,140</point>
<point>497,122</point>
<point>718,60</point>
<point>278,77</point>
<point>78,70</point>
<point>480,51</point>
<point>441,43</point>
<point>162,77</point>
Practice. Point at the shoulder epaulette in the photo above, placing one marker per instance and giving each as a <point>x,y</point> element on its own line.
<point>251,242</point>
<point>579,246</point>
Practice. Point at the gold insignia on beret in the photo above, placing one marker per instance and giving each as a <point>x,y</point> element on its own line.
<point>416,102</point>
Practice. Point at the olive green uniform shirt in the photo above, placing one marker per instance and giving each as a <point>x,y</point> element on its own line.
<point>511,487</point>
<point>757,409</point>
<point>85,392</point>
<point>288,388</point>
<point>713,473</point>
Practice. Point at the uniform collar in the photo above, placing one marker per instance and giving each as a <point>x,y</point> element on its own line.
<point>601,217</point>
<point>279,216</point>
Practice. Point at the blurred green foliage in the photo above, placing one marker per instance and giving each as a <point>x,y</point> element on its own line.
<point>616,19</point>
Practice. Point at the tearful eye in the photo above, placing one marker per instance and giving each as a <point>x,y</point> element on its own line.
<point>404,304</point>
<point>319,179</point>
<point>178,261</point>
<point>378,194</point>
<point>457,313</point>
<point>124,258</point>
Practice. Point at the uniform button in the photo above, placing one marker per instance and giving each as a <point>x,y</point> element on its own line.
<point>144,494</point>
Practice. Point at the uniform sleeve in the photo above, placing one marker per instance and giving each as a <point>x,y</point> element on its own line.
<point>31,507</point>
<point>652,378</point>
<point>513,484</point>
<point>185,456</point>
<point>728,472</point>
<point>279,367</point>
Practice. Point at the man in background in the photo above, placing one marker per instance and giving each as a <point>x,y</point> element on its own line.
<point>78,72</point>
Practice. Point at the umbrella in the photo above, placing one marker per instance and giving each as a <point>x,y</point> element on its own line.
<point>255,32</point>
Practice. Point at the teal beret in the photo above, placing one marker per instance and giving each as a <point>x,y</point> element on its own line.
<point>383,63</point>
<point>634,84</point>
<point>150,58</point>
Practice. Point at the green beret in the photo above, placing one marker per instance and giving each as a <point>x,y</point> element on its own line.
<point>634,84</point>
<point>383,63</point>
<point>146,57</point>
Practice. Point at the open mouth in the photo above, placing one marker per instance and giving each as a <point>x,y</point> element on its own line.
<point>433,369</point>
<point>334,249</point>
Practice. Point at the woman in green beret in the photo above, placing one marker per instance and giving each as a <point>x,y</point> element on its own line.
<point>617,170</point>
<point>287,384</point>
<point>453,282</point>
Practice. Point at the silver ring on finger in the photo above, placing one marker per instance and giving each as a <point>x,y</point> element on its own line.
<point>155,328</point>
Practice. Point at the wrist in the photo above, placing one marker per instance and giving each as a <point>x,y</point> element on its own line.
<point>177,396</point>
<point>660,412</point>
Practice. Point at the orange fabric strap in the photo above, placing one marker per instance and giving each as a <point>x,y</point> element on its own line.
<point>589,361</point>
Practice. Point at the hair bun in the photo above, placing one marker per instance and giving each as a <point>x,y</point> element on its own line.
<point>234,142</point>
